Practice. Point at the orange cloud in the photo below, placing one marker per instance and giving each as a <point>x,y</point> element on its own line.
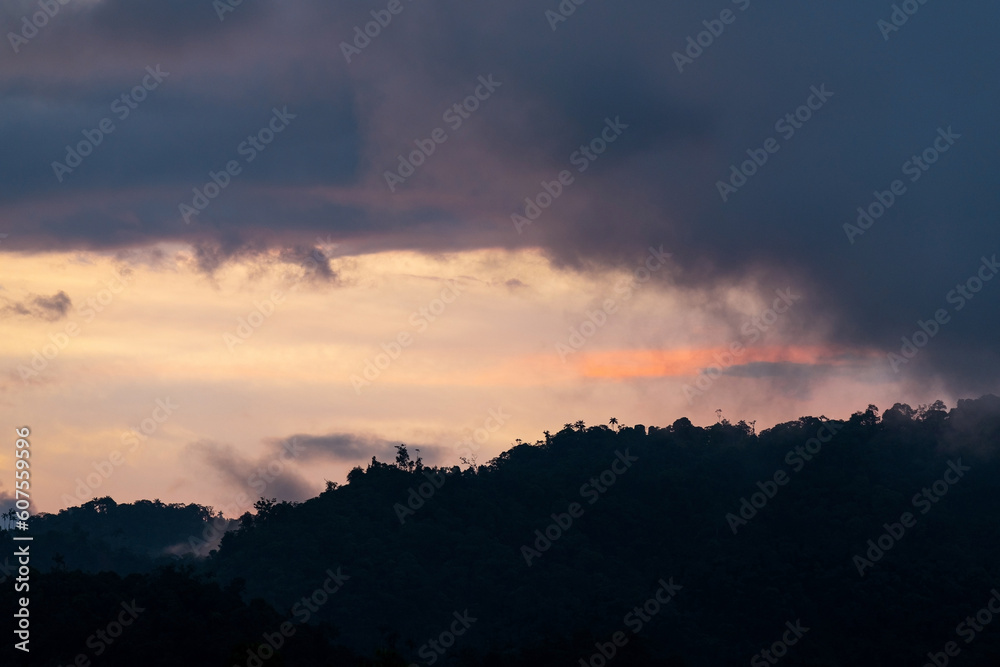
<point>622,364</point>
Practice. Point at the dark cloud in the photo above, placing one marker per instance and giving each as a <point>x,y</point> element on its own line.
<point>339,447</point>
<point>49,308</point>
<point>314,263</point>
<point>656,184</point>
<point>272,475</point>
<point>166,22</point>
<point>276,471</point>
<point>120,23</point>
<point>791,380</point>
<point>7,504</point>
<point>358,448</point>
<point>759,369</point>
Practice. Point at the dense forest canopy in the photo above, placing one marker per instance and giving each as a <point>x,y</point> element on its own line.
<point>866,541</point>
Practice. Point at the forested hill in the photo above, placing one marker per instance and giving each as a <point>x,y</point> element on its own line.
<point>860,542</point>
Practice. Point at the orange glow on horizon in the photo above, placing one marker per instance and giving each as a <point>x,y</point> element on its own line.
<point>623,364</point>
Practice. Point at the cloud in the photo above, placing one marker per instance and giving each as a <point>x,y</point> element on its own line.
<point>275,472</point>
<point>313,261</point>
<point>339,447</point>
<point>135,20</point>
<point>357,448</point>
<point>272,474</point>
<point>48,308</point>
<point>655,184</point>
<point>777,369</point>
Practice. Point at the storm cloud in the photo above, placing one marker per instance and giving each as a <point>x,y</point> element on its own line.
<point>748,141</point>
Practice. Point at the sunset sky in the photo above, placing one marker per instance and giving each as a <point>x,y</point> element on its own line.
<point>483,217</point>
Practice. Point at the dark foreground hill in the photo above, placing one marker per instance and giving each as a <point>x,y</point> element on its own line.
<point>870,541</point>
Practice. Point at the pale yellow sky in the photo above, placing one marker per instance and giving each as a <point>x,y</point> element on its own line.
<point>484,330</point>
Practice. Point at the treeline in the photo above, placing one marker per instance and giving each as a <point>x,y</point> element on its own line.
<point>102,535</point>
<point>662,546</point>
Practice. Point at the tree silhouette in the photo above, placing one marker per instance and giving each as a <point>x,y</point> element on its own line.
<point>265,507</point>
<point>403,461</point>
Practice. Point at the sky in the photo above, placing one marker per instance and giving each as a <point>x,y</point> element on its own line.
<point>246,247</point>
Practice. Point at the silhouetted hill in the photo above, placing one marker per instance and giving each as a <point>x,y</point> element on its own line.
<point>102,535</point>
<point>866,541</point>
